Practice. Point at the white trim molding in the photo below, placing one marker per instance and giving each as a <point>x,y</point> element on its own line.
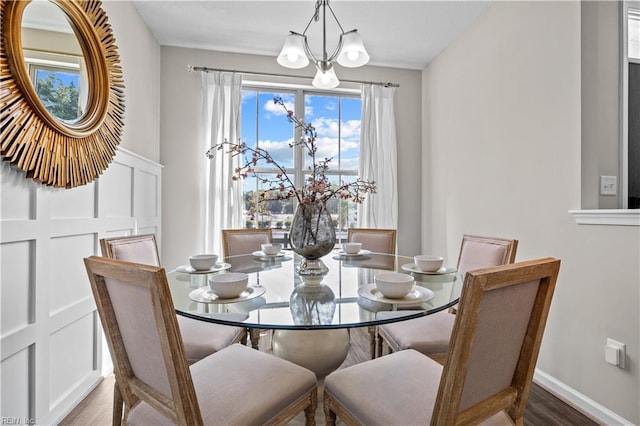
<point>626,217</point>
<point>590,408</point>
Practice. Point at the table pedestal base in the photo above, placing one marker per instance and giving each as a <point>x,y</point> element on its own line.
<point>321,351</point>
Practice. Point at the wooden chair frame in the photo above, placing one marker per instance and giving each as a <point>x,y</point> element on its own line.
<point>226,249</point>
<point>107,244</point>
<point>183,407</point>
<point>510,257</point>
<point>107,247</point>
<point>513,398</point>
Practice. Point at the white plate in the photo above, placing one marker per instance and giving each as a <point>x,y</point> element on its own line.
<point>411,267</point>
<point>360,253</point>
<point>416,295</point>
<point>260,253</point>
<point>205,295</point>
<point>188,269</point>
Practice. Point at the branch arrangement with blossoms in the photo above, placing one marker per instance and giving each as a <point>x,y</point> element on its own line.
<point>316,188</point>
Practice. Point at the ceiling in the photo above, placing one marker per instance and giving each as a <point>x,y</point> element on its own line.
<point>399,34</point>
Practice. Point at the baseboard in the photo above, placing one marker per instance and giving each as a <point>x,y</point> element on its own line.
<point>590,408</point>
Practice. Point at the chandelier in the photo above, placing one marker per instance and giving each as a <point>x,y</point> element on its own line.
<point>350,51</point>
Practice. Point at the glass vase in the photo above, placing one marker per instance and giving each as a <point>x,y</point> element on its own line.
<point>312,236</point>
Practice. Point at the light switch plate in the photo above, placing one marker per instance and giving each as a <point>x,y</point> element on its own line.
<point>608,185</point>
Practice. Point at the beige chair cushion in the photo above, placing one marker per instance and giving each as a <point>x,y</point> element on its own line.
<point>137,251</point>
<point>246,243</point>
<point>476,255</point>
<point>429,335</point>
<point>365,389</point>
<point>203,338</point>
<point>377,243</point>
<point>221,382</point>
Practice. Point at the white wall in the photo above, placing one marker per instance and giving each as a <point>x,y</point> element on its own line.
<point>140,61</point>
<point>182,152</point>
<point>502,157</point>
<point>49,334</point>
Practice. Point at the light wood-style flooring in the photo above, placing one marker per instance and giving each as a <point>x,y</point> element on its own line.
<point>543,409</point>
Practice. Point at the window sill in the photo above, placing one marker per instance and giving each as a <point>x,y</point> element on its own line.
<point>607,217</point>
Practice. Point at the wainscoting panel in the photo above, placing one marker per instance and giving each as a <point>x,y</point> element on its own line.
<point>50,338</point>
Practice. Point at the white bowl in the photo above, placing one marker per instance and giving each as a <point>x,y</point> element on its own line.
<point>352,248</point>
<point>203,262</point>
<point>427,262</point>
<point>271,248</point>
<point>394,285</point>
<point>228,285</point>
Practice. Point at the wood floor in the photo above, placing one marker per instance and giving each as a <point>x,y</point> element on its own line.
<point>543,409</point>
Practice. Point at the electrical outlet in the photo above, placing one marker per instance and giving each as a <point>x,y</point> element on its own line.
<point>608,185</point>
<point>615,353</point>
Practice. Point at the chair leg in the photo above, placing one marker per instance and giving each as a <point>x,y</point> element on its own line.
<point>254,335</point>
<point>373,331</point>
<point>379,345</point>
<point>117,405</point>
<point>310,411</point>
<point>329,414</point>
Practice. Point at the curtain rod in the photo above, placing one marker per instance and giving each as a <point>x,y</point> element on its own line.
<point>207,69</point>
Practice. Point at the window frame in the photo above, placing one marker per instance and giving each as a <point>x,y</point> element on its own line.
<point>300,92</point>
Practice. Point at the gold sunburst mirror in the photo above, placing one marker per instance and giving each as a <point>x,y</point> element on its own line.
<point>62,91</point>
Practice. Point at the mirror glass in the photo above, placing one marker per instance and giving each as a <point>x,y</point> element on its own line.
<point>54,61</point>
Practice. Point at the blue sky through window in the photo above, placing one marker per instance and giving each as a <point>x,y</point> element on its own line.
<point>263,123</point>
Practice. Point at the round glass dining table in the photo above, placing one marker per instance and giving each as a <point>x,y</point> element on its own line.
<point>277,298</point>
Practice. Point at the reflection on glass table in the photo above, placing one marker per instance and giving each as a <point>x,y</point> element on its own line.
<point>311,317</point>
<point>277,298</point>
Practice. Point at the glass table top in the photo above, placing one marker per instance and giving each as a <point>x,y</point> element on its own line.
<point>277,297</point>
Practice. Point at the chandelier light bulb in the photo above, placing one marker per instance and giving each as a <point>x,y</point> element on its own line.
<point>292,54</point>
<point>353,54</point>
<point>326,79</point>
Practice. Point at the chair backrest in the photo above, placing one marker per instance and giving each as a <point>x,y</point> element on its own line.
<point>134,248</point>
<point>376,240</point>
<point>495,342</point>
<point>484,252</point>
<point>137,314</point>
<point>244,241</point>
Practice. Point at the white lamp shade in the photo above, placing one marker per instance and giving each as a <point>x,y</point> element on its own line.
<point>292,54</point>
<point>353,54</point>
<point>326,79</point>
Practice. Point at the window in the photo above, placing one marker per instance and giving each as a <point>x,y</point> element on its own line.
<point>57,79</point>
<point>336,118</point>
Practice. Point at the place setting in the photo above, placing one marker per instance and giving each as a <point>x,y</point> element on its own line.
<point>228,287</point>
<point>395,288</point>
<point>351,251</point>
<point>271,252</point>
<point>429,265</point>
<point>203,264</point>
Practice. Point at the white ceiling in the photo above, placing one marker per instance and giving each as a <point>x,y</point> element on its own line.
<point>399,34</point>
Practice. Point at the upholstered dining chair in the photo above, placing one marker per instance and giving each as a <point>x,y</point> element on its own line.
<point>244,241</point>
<point>236,385</point>
<point>430,335</point>
<point>382,241</point>
<point>488,373</point>
<point>200,338</point>
<point>376,240</point>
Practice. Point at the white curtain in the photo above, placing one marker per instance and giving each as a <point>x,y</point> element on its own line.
<point>378,158</point>
<point>222,207</point>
